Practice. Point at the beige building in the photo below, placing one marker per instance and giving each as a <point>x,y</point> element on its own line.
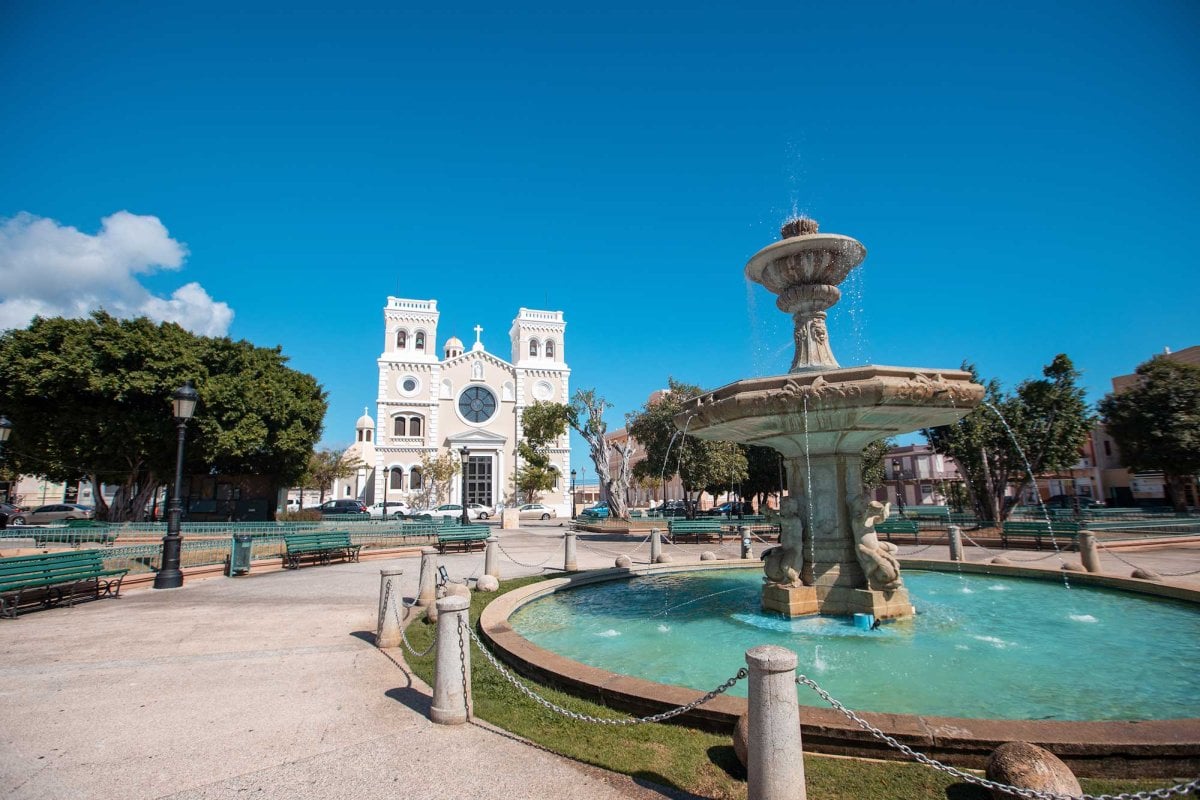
<point>432,401</point>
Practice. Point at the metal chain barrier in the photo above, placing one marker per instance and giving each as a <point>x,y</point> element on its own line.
<point>387,595</point>
<point>1180,789</point>
<point>1004,554</point>
<point>1127,563</point>
<point>941,541</point>
<point>462,654</point>
<point>605,552</point>
<point>525,690</point>
<point>508,555</point>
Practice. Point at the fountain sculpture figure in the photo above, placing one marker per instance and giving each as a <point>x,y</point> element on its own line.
<point>820,417</point>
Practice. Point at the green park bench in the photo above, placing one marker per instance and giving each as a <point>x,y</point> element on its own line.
<point>465,535</point>
<point>427,528</point>
<point>896,525</point>
<point>1015,534</point>
<point>320,547</point>
<point>680,528</point>
<point>47,578</point>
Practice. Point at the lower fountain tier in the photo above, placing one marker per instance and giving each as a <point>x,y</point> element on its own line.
<point>830,411</point>
<point>836,601</point>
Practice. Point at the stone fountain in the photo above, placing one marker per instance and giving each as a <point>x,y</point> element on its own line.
<point>820,416</point>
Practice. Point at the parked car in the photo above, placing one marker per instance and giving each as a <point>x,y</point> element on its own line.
<point>479,511</point>
<point>536,511</point>
<point>397,508</point>
<point>723,510</point>
<point>672,508</point>
<point>14,515</point>
<point>1069,501</point>
<point>343,507</point>
<point>58,512</point>
<point>598,511</point>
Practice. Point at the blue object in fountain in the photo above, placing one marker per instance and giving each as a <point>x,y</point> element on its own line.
<point>981,646</point>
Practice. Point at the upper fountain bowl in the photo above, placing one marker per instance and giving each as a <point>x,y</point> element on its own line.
<point>819,258</point>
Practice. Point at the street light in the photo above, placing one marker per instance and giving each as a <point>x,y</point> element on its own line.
<point>6,428</point>
<point>572,494</point>
<point>464,452</point>
<point>169,576</point>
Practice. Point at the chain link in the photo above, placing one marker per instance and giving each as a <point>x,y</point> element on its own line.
<point>1033,794</point>
<point>1006,555</point>
<point>922,549</point>
<point>387,595</point>
<point>1135,566</point>
<point>522,563</point>
<point>466,670</point>
<point>664,715</point>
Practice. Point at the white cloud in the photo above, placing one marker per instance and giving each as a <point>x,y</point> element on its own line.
<point>54,270</point>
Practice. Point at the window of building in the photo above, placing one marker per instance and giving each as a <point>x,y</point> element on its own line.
<point>414,426</point>
<point>549,348</point>
<point>1107,448</point>
<point>477,404</point>
<point>533,348</point>
<point>400,426</point>
<point>347,491</point>
<point>368,433</point>
<point>414,478</point>
<point>419,340</point>
<point>397,478</point>
<point>401,339</point>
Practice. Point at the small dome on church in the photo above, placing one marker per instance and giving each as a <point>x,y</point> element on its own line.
<point>364,421</point>
<point>454,347</point>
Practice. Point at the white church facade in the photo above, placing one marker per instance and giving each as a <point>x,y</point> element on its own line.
<point>468,402</point>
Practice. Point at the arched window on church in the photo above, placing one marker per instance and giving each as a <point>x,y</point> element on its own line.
<point>368,434</point>
<point>550,349</point>
<point>397,479</point>
<point>414,478</point>
<point>401,339</point>
<point>419,340</point>
<point>533,348</point>
<point>400,427</point>
<point>414,426</point>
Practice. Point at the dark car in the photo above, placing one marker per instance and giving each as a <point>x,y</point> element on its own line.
<point>13,515</point>
<point>343,507</point>
<point>672,508</point>
<point>723,510</point>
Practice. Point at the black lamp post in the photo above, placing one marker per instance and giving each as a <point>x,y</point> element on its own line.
<point>6,427</point>
<point>572,494</point>
<point>465,453</point>
<point>170,576</point>
<point>387,481</point>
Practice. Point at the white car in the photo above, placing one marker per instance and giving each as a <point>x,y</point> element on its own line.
<point>396,508</point>
<point>536,511</point>
<point>474,511</point>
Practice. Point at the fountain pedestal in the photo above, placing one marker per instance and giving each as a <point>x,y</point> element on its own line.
<point>820,417</point>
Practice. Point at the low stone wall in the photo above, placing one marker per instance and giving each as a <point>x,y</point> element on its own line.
<point>1153,748</point>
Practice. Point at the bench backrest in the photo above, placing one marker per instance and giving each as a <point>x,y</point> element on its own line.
<point>693,525</point>
<point>1040,527</point>
<point>892,525</point>
<point>295,541</point>
<point>464,532</point>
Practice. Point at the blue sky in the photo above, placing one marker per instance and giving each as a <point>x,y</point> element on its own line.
<point>1024,177</point>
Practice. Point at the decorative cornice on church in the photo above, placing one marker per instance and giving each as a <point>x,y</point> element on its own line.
<point>545,372</point>
<point>483,355</point>
<point>428,306</point>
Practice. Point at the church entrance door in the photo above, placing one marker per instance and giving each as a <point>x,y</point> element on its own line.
<point>479,480</point>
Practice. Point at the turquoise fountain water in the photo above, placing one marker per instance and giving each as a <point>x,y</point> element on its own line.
<point>981,646</point>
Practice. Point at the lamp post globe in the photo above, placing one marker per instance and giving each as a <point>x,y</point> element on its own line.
<point>465,453</point>
<point>169,576</point>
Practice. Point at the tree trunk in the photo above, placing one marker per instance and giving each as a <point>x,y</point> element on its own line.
<point>1174,487</point>
<point>618,506</point>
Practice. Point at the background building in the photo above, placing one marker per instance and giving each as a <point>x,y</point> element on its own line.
<point>430,403</point>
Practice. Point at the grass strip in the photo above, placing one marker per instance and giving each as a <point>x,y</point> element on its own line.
<point>684,758</point>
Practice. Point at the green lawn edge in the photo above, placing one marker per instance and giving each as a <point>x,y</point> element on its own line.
<point>683,758</point>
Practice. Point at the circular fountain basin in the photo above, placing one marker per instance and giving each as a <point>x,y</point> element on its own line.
<point>1104,678</point>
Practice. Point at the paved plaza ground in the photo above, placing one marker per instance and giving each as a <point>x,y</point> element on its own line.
<point>270,686</point>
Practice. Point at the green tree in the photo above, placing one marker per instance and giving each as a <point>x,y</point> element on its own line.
<point>91,399</point>
<point>1010,438</point>
<point>326,467</point>
<point>670,451</point>
<point>438,471</point>
<point>872,462</point>
<point>765,473</point>
<point>1157,423</point>
<point>542,424</point>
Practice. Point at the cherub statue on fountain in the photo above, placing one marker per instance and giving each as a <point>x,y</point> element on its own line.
<point>780,563</point>
<point>877,559</point>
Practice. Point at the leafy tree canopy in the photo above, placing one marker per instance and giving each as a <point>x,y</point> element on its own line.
<point>542,423</point>
<point>1157,423</point>
<point>91,398</point>
<point>325,467</point>
<point>1038,428</point>
<point>587,418</point>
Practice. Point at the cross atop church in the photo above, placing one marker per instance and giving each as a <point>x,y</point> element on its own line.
<point>478,344</point>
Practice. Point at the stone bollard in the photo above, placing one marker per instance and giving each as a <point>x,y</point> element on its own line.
<point>775,755</point>
<point>747,552</point>
<point>427,584</point>
<point>452,669</point>
<point>491,562</point>
<point>655,545</point>
<point>569,562</point>
<point>387,624</point>
<point>955,534</point>
<point>1089,553</point>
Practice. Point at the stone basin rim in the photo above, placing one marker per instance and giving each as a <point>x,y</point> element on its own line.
<point>1147,748</point>
<point>799,244</point>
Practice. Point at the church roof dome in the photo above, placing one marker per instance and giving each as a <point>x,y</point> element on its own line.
<point>364,421</point>
<point>454,341</point>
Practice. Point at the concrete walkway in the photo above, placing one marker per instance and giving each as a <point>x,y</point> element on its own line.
<point>270,685</point>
